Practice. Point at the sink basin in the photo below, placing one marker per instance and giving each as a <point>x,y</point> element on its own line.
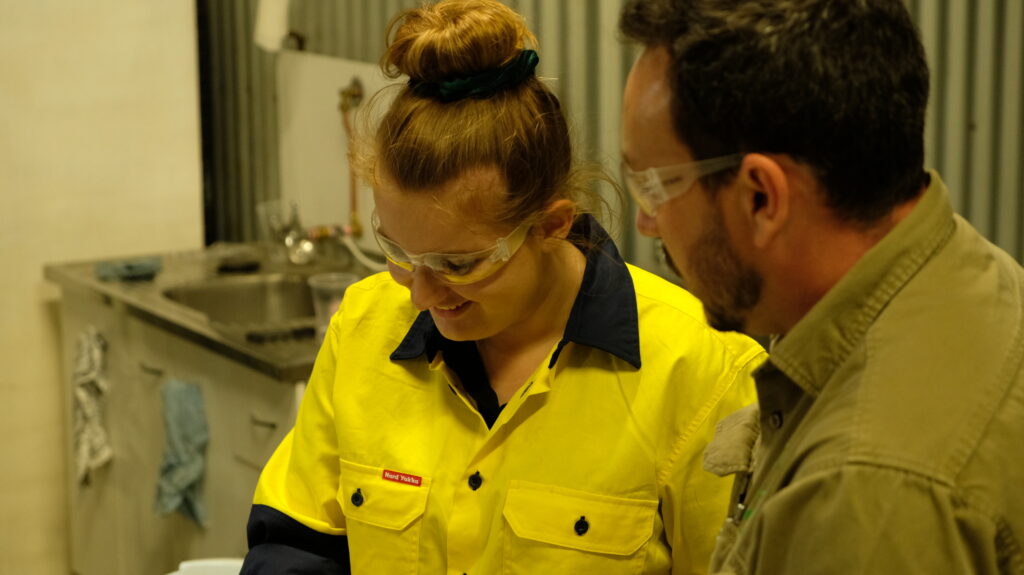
<point>251,299</point>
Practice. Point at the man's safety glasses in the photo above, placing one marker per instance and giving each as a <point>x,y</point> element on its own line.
<point>458,269</point>
<point>648,187</point>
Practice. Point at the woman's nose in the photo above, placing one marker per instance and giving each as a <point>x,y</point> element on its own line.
<point>425,289</point>
<point>647,225</point>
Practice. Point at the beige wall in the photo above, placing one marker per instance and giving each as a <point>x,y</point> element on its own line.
<point>99,157</point>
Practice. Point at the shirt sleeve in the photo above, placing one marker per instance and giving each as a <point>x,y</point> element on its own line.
<point>696,500</point>
<point>297,525</point>
<point>866,519</point>
<point>279,545</point>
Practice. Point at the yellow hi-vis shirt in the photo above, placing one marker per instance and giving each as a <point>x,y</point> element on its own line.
<point>593,467</point>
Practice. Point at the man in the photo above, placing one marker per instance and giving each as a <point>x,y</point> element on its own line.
<point>890,436</point>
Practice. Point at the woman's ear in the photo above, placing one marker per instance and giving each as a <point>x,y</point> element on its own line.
<point>765,197</point>
<point>558,219</point>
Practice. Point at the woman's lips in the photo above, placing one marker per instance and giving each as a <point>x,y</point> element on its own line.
<point>450,311</point>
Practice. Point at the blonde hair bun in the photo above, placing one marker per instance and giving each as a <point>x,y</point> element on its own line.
<point>473,101</point>
<point>454,38</point>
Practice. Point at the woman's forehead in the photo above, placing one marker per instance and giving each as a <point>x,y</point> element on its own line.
<point>457,216</point>
<point>480,185</point>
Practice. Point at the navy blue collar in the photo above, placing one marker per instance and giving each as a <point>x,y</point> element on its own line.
<point>604,315</point>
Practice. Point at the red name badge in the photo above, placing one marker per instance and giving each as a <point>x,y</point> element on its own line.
<point>405,478</point>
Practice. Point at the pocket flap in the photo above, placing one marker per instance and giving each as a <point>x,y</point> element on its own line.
<point>389,503</point>
<point>579,520</point>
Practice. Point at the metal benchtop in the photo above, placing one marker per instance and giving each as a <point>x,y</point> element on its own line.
<point>284,349</point>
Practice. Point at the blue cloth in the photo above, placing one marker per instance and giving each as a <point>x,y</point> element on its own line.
<point>139,269</point>
<point>179,487</point>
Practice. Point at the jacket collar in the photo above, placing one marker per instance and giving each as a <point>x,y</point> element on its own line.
<point>603,316</point>
<point>820,342</point>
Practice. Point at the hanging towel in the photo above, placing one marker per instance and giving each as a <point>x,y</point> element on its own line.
<point>89,386</point>
<point>179,487</point>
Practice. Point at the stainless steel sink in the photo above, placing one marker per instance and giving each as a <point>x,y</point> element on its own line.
<point>250,299</point>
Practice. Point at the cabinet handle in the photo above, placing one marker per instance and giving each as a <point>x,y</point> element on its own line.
<point>262,422</point>
<point>150,370</point>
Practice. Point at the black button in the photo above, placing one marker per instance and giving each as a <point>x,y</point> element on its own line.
<point>581,526</point>
<point>475,481</point>
<point>357,498</point>
<point>775,419</point>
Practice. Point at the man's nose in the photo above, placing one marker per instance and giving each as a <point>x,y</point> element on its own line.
<point>647,225</point>
<point>425,289</point>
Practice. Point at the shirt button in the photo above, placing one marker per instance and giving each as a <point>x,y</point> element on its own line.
<point>775,419</point>
<point>475,481</point>
<point>581,526</point>
<point>357,498</point>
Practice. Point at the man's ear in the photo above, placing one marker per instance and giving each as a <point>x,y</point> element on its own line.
<point>766,196</point>
<point>558,218</point>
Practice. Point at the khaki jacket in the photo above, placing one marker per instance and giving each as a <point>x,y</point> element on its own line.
<point>890,435</point>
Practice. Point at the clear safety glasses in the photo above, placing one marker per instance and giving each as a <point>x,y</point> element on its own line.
<point>458,269</point>
<point>648,186</point>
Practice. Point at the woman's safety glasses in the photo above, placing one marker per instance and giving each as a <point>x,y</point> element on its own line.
<point>458,269</point>
<point>648,187</point>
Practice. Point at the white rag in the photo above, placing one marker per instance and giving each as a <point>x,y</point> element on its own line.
<point>91,442</point>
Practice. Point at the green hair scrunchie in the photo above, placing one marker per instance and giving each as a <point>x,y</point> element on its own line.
<point>482,85</point>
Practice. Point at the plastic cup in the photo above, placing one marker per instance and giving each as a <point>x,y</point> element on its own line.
<point>209,567</point>
<point>328,289</point>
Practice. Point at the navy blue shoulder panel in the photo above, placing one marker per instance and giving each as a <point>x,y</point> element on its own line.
<point>280,545</point>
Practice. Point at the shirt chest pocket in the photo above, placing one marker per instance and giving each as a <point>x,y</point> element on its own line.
<point>383,516</point>
<point>574,531</point>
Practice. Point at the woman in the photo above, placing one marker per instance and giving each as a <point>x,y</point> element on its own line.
<point>511,397</point>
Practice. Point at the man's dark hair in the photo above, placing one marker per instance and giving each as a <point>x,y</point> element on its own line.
<point>840,85</point>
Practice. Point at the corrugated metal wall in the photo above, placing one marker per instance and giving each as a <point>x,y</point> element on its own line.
<point>975,121</point>
<point>239,108</point>
<point>975,132</point>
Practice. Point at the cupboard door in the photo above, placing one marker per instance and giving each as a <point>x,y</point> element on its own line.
<point>247,414</point>
<point>115,527</point>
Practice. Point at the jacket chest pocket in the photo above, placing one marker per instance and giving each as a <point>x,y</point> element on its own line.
<point>383,516</point>
<point>574,532</point>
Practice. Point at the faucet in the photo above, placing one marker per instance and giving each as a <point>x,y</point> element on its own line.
<point>345,237</point>
<point>290,232</point>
